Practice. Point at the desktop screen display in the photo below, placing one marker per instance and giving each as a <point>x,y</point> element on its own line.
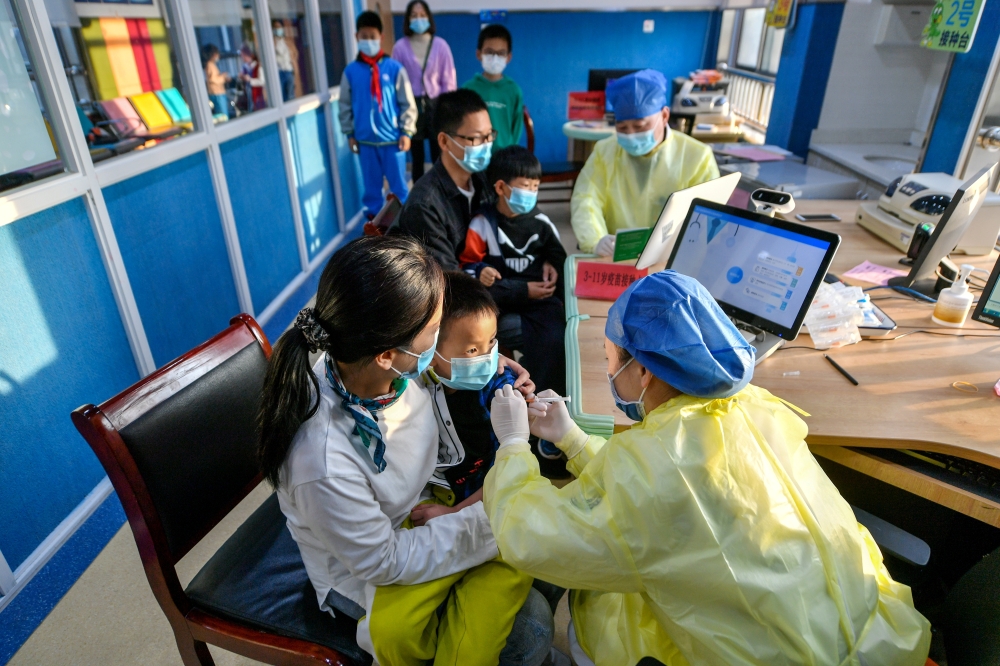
<point>992,306</point>
<point>758,268</point>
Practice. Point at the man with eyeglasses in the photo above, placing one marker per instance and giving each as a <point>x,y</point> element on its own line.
<point>628,178</point>
<point>440,205</point>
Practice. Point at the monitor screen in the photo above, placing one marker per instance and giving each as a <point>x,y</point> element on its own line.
<point>760,270</point>
<point>950,228</point>
<point>988,308</point>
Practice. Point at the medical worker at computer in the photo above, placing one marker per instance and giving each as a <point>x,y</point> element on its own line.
<point>707,533</point>
<point>628,178</point>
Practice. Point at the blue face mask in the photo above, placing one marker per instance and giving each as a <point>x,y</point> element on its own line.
<point>521,201</point>
<point>472,374</point>
<point>635,409</point>
<point>423,360</point>
<point>476,158</point>
<point>370,47</point>
<point>420,25</point>
<point>638,144</point>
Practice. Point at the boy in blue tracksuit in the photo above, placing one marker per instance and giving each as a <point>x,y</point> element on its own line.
<point>378,114</point>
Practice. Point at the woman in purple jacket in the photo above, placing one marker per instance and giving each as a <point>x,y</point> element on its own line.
<point>431,69</point>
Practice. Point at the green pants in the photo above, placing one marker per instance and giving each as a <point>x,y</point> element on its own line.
<point>479,609</point>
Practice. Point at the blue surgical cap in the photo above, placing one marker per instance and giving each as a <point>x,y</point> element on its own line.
<point>637,95</point>
<point>672,326</point>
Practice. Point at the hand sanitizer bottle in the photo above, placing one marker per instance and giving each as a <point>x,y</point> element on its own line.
<point>954,302</point>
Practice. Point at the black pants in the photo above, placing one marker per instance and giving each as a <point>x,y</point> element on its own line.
<point>425,125</point>
<point>537,329</point>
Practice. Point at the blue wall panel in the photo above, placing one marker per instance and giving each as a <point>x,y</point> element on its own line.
<point>958,105</point>
<point>311,154</point>
<point>167,225</point>
<point>554,51</point>
<point>263,210</point>
<point>349,167</point>
<point>806,58</point>
<point>62,344</point>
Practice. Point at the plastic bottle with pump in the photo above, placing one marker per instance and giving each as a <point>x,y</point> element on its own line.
<point>953,303</point>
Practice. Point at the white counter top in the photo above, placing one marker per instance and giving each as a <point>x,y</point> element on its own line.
<point>880,162</point>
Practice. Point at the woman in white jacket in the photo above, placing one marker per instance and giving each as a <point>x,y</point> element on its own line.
<point>350,445</point>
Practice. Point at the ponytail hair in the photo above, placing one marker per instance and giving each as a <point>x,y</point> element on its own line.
<point>376,293</point>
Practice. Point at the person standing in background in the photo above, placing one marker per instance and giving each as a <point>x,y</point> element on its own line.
<point>431,68</point>
<point>253,78</point>
<point>378,114</point>
<point>286,66</point>
<point>502,95</point>
<point>215,80</point>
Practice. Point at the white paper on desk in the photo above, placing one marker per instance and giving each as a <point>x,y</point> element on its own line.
<point>869,272</point>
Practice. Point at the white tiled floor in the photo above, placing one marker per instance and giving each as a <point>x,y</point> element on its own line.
<point>110,618</point>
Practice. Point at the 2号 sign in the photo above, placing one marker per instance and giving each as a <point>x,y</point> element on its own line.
<point>953,25</point>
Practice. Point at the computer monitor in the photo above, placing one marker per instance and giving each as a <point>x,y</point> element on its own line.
<point>948,232</point>
<point>597,79</point>
<point>664,235</point>
<point>763,272</point>
<point>988,308</point>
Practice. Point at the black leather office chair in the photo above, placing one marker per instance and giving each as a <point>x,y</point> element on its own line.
<point>179,448</point>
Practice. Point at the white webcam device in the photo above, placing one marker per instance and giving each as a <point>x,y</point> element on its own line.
<point>769,202</point>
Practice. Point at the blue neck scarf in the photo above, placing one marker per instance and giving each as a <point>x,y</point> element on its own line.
<point>365,414</point>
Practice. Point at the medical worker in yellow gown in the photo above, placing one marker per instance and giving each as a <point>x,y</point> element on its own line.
<point>707,533</point>
<point>629,177</point>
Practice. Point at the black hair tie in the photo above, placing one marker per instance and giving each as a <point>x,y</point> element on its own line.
<point>316,336</point>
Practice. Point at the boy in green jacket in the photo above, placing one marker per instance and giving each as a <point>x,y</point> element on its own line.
<point>503,97</point>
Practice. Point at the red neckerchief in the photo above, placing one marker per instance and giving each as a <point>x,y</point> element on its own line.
<point>376,80</point>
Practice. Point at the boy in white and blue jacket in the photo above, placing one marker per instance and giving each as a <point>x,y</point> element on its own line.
<point>378,114</point>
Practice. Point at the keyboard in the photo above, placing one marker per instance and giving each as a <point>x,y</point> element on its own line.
<point>968,475</point>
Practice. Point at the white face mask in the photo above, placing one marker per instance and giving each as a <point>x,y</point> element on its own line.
<point>494,64</point>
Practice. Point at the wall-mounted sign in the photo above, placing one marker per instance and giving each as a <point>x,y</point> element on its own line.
<point>779,13</point>
<point>953,25</point>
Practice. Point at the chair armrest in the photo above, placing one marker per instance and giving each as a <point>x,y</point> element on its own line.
<point>893,540</point>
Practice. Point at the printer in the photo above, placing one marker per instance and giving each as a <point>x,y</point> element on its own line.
<point>691,98</point>
<point>916,198</point>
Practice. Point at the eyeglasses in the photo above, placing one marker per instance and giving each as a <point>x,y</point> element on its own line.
<point>477,140</point>
<point>502,54</point>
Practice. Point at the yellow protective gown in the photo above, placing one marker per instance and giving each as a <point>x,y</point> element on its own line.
<point>707,534</point>
<point>618,191</point>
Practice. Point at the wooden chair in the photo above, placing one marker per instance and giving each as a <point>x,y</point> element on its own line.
<point>552,172</point>
<point>379,225</point>
<point>180,450</point>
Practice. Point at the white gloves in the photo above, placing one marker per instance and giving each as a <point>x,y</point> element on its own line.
<point>606,246</point>
<point>509,415</point>
<point>556,425</point>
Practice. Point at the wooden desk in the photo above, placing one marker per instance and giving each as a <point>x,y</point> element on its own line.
<point>905,399</point>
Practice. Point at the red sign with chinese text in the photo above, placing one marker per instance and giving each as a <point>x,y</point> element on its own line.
<point>604,282</point>
<point>586,105</point>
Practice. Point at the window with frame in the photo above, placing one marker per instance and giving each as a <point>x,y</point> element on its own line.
<point>292,48</point>
<point>28,149</point>
<point>121,64</point>
<point>226,34</point>
<point>747,43</point>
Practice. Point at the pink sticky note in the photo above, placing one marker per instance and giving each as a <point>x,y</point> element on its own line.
<point>996,388</point>
<point>869,272</point>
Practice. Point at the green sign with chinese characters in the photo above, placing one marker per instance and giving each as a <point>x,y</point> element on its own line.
<point>953,25</point>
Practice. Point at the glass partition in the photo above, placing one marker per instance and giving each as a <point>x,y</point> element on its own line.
<point>331,22</point>
<point>28,150</point>
<point>120,60</point>
<point>230,57</point>
<point>292,47</point>
<point>751,32</point>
